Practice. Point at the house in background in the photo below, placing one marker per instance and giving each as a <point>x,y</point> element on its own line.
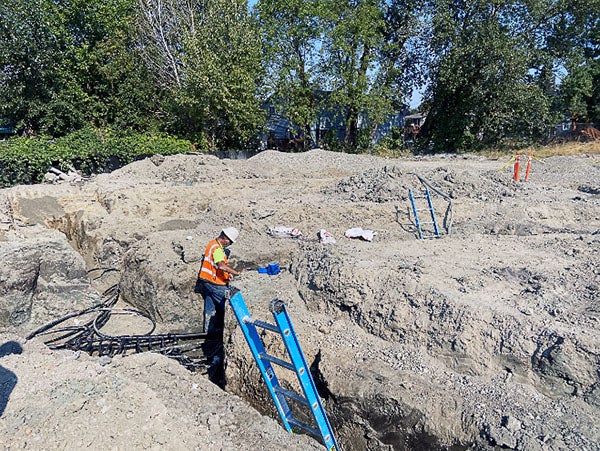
<point>412,125</point>
<point>394,121</point>
<point>6,129</point>
<point>571,130</point>
<point>282,134</point>
<point>563,128</point>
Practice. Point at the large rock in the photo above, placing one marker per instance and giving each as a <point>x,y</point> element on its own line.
<point>164,287</point>
<point>42,278</point>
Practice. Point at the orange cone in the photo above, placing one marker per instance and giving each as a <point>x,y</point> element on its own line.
<point>516,167</point>
<point>528,168</point>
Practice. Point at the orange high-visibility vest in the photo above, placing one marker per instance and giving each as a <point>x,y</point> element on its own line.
<point>209,270</point>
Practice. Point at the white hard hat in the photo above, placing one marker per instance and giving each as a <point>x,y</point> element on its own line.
<point>231,233</point>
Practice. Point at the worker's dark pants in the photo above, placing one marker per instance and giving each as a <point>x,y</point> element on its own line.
<point>214,322</point>
<point>214,306</point>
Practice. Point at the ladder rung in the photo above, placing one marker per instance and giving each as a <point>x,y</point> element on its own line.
<point>262,324</point>
<point>290,394</point>
<point>276,360</point>
<point>429,222</point>
<point>314,431</point>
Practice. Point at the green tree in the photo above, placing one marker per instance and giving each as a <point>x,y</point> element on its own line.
<point>30,50</point>
<point>491,74</point>
<point>367,58</point>
<point>66,64</point>
<point>370,60</point>
<point>224,75</point>
<point>576,39</point>
<point>360,52</point>
<point>290,40</point>
<point>494,66</point>
<point>205,55</point>
<point>580,92</point>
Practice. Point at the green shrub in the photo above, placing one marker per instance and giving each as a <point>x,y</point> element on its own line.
<point>392,145</point>
<point>26,160</point>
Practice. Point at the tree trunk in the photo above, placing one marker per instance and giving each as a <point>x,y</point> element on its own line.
<point>351,126</point>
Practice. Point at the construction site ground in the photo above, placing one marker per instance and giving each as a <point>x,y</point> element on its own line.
<point>484,338</point>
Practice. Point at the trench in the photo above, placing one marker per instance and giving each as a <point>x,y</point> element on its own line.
<point>375,423</point>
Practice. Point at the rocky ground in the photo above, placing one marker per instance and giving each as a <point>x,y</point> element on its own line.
<point>485,338</point>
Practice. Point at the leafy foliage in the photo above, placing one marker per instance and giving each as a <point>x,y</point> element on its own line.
<point>70,64</point>
<point>290,32</point>
<point>493,70</point>
<point>206,57</point>
<point>223,75</point>
<point>576,37</point>
<point>359,52</point>
<point>392,145</point>
<point>26,160</point>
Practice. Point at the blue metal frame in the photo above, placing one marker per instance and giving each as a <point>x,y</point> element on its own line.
<point>257,347</point>
<point>298,364</point>
<point>418,223</point>
<point>307,383</point>
<point>415,213</point>
<point>435,226</point>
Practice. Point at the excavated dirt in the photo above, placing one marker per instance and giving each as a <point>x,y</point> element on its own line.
<point>484,338</point>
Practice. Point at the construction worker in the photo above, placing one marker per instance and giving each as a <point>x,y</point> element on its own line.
<point>213,279</point>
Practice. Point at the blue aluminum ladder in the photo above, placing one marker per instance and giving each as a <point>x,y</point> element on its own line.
<point>311,400</point>
<point>419,224</point>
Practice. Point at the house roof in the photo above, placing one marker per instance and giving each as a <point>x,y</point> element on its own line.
<point>415,116</point>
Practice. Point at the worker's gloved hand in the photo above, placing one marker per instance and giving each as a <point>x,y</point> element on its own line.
<point>273,269</point>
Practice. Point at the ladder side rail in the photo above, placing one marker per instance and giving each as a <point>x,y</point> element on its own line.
<point>303,373</point>
<point>435,225</point>
<point>257,347</point>
<point>415,213</point>
<point>449,213</point>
